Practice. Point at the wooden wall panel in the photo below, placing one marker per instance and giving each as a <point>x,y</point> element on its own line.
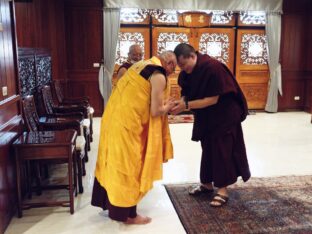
<point>296,55</point>
<point>73,31</point>
<point>84,43</point>
<point>308,80</point>
<point>40,24</point>
<point>10,118</point>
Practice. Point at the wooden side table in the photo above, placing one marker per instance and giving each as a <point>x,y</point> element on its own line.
<point>47,146</point>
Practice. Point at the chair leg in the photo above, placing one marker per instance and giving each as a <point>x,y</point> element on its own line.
<point>29,179</point>
<point>89,142</point>
<point>75,176</point>
<point>86,158</point>
<point>70,182</point>
<point>91,128</point>
<point>83,167</point>
<point>79,166</point>
<point>38,178</point>
<point>86,134</point>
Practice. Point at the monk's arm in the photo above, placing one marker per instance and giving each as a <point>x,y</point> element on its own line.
<point>121,72</point>
<point>203,103</point>
<point>158,105</point>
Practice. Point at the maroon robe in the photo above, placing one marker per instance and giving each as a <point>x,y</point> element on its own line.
<point>126,65</point>
<point>218,127</point>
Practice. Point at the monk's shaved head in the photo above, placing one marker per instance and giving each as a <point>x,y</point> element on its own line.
<point>135,53</point>
<point>168,61</point>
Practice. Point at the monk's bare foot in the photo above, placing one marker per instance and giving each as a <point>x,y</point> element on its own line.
<point>138,220</point>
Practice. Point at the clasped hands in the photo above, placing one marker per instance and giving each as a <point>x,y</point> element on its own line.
<point>175,106</point>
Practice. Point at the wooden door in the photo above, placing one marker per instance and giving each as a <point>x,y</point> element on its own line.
<point>252,70</point>
<point>168,39</point>
<point>218,43</point>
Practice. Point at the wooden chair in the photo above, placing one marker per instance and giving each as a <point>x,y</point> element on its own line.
<point>84,101</point>
<point>34,124</point>
<point>57,89</point>
<point>53,110</point>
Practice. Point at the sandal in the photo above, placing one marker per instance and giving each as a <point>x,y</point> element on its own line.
<point>219,199</point>
<point>199,189</point>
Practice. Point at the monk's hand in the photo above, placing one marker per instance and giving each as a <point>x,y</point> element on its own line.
<point>178,107</point>
<point>169,104</point>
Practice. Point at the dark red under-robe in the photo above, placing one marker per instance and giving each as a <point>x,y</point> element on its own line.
<point>218,127</point>
<point>126,65</point>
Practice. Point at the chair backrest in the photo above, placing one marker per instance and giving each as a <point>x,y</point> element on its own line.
<point>58,90</point>
<point>30,113</point>
<point>47,99</point>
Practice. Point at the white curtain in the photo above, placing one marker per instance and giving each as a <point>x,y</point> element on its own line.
<point>227,5</point>
<point>273,33</point>
<point>111,29</point>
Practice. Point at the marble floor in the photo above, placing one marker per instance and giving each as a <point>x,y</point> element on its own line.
<point>277,144</point>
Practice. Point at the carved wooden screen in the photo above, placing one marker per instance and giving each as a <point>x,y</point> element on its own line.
<point>165,17</point>
<point>251,66</point>
<point>252,18</point>
<point>218,43</point>
<point>223,18</point>
<point>134,16</point>
<point>168,39</point>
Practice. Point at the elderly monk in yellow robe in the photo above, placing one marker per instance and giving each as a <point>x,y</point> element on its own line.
<point>134,138</point>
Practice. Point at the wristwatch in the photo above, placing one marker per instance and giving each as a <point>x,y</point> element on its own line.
<point>186,103</point>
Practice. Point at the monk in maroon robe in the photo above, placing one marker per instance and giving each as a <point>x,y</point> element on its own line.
<point>211,92</point>
<point>135,55</point>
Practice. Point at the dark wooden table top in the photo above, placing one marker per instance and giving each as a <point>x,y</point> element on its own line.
<point>57,138</point>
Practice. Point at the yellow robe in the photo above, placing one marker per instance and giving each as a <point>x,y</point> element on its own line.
<point>133,144</point>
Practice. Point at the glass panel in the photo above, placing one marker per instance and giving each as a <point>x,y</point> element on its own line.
<point>216,45</point>
<point>254,49</point>
<point>126,39</point>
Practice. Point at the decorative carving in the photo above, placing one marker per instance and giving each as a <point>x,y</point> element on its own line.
<point>133,15</point>
<point>125,40</point>
<point>48,99</point>
<point>165,16</point>
<point>26,67</point>
<point>221,17</point>
<point>43,70</point>
<point>254,49</point>
<point>216,45</point>
<point>252,17</point>
<point>168,41</point>
<point>255,94</point>
<point>30,113</point>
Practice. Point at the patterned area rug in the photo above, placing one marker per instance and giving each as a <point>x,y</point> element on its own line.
<point>188,118</point>
<point>262,205</point>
